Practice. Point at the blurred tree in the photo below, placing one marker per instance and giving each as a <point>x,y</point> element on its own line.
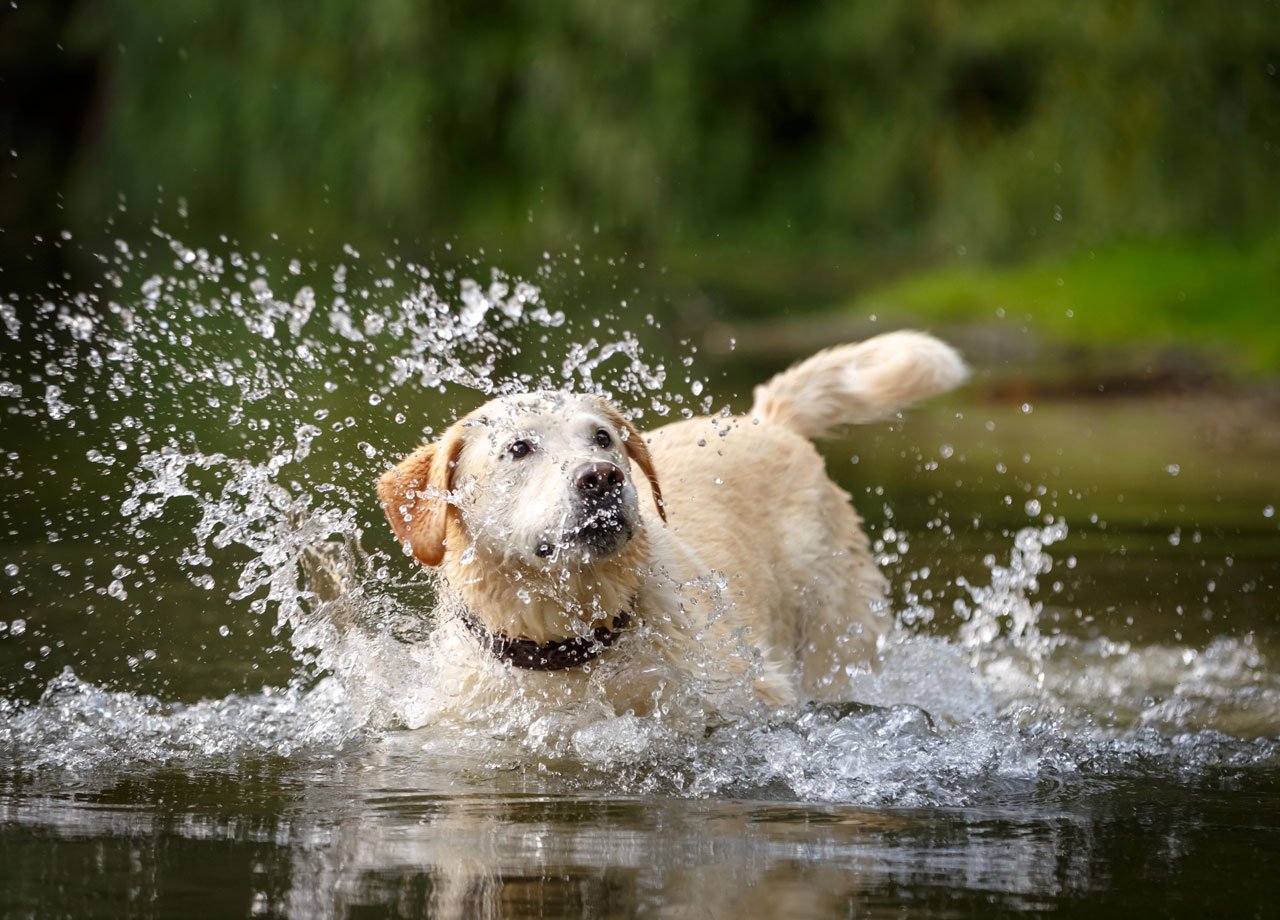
<point>1001,126</point>
<point>45,102</point>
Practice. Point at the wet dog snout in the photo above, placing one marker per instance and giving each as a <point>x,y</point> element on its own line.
<point>598,480</point>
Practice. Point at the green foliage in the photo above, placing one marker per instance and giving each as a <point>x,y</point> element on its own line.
<point>1002,126</point>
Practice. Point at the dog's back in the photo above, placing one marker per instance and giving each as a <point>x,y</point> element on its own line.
<point>750,496</point>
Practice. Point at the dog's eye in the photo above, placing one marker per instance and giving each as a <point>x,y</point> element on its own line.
<point>519,449</point>
<point>603,438</point>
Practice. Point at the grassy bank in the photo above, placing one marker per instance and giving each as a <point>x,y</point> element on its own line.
<point>1213,297</point>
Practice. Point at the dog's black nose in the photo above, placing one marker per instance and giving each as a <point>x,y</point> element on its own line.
<point>596,480</point>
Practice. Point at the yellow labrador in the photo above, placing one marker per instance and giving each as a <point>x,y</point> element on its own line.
<point>578,556</point>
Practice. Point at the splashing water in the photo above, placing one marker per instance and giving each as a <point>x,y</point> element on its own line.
<point>231,420</point>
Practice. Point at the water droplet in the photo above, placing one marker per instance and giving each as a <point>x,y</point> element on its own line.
<point>58,409</point>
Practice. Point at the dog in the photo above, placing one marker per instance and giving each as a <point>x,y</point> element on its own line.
<point>578,557</point>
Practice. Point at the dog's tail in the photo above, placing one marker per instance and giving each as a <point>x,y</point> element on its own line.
<point>852,384</point>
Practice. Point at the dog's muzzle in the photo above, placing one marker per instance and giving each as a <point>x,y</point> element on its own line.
<point>599,492</point>
<point>600,489</point>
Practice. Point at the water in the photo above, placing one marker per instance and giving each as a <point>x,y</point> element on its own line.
<point>218,691</point>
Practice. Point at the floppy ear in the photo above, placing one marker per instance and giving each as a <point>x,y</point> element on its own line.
<point>638,452</point>
<point>413,497</point>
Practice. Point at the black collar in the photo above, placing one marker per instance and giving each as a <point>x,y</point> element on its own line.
<point>556,655</point>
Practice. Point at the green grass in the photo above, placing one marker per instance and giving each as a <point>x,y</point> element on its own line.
<point>1210,296</point>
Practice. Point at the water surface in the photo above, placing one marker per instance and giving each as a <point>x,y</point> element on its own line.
<point>1078,710</point>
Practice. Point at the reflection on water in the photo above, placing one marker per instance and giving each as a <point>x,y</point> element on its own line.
<point>384,833</point>
<point>1079,703</point>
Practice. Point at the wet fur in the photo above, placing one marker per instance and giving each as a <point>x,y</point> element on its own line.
<point>743,557</point>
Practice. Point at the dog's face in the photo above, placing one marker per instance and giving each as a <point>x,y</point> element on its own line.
<point>541,480</point>
<point>545,477</point>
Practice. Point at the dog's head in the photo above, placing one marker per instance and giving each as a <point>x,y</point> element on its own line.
<point>540,479</point>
